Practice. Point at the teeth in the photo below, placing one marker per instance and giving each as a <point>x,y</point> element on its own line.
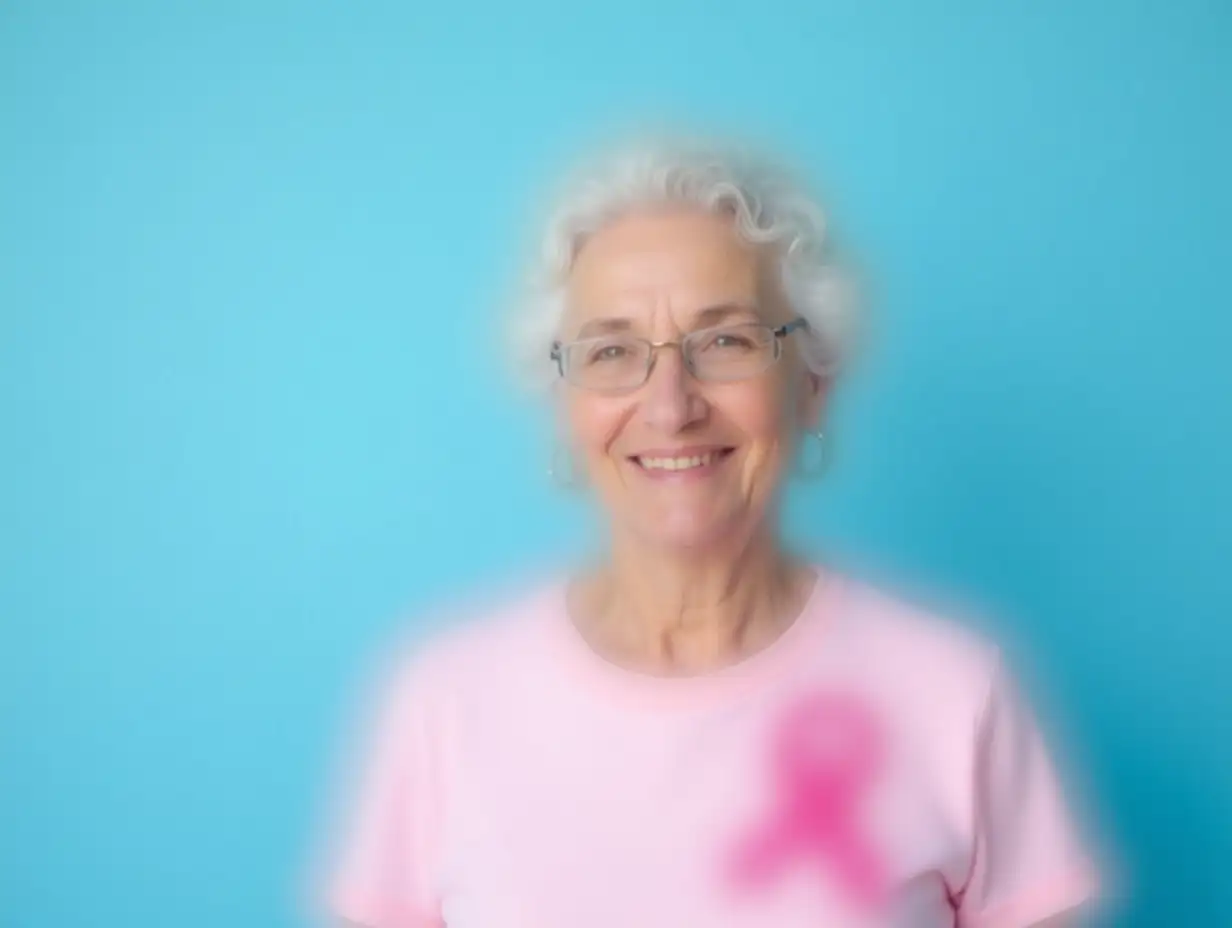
<point>676,463</point>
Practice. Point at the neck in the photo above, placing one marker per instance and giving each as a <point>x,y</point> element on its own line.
<point>692,611</point>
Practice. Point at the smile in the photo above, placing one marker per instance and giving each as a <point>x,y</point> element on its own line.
<point>680,462</point>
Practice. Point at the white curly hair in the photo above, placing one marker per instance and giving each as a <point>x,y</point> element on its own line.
<point>768,207</point>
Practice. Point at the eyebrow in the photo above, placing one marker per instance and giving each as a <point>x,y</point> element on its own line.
<point>604,327</point>
<point>725,311</point>
<point>711,315</point>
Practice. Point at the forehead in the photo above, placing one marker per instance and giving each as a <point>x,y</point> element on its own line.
<point>678,261</point>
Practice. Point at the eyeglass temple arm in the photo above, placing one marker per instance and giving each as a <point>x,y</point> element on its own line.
<point>798,323</point>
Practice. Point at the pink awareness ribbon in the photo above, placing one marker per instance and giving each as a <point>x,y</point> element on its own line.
<point>826,751</point>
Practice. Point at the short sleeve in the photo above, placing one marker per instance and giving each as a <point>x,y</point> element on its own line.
<point>1029,862</point>
<point>382,872</point>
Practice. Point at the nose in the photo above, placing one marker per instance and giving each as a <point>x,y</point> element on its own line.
<point>670,399</point>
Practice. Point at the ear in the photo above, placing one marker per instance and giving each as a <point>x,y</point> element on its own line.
<point>813,401</point>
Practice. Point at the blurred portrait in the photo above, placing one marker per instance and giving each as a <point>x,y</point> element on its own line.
<point>751,466</point>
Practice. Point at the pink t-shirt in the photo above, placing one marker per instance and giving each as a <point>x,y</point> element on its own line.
<point>872,767</point>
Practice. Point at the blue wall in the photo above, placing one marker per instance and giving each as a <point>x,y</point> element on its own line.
<point>249,260</point>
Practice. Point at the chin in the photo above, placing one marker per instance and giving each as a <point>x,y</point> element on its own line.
<point>689,533</point>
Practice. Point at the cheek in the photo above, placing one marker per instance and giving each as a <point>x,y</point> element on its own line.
<point>760,411</point>
<point>591,422</point>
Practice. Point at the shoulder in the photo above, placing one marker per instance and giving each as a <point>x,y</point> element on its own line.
<point>939,631</point>
<point>938,666</point>
<point>936,650</point>
<point>473,638</point>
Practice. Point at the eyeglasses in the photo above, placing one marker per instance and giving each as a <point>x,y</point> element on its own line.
<point>616,363</point>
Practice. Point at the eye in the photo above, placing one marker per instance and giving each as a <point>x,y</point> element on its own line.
<point>729,341</point>
<point>607,352</point>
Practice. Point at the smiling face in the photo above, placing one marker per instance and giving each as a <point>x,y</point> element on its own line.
<point>681,462</point>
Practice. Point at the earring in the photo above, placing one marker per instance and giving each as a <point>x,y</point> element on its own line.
<point>812,465</point>
<point>561,469</point>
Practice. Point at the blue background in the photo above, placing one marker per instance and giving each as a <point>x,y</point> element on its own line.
<point>250,261</point>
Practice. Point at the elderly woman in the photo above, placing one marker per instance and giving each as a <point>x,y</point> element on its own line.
<point>702,729</point>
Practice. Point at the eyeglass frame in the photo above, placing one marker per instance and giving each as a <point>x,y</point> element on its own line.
<point>557,353</point>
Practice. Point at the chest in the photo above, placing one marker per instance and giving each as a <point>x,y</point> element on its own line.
<point>690,819</point>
